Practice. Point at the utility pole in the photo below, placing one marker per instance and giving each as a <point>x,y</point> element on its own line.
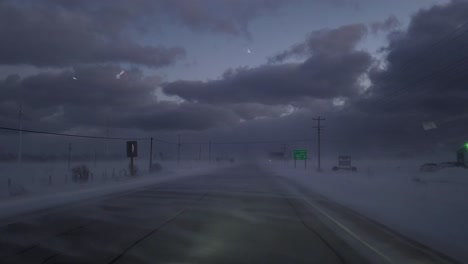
<point>178,151</point>
<point>318,138</point>
<point>107,140</point>
<point>95,157</point>
<point>151,154</point>
<point>285,156</point>
<point>20,143</point>
<point>209,151</point>
<point>69,156</point>
<point>199,152</point>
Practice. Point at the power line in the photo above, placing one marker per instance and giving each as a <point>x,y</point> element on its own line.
<point>428,77</point>
<point>164,141</point>
<point>71,135</point>
<point>149,138</point>
<point>261,142</point>
<point>178,150</point>
<point>246,142</point>
<point>441,42</point>
<point>451,68</point>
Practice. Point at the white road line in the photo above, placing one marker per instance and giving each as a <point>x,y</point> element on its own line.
<point>349,231</point>
<point>394,235</point>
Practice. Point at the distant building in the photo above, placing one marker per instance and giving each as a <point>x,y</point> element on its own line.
<point>276,155</point>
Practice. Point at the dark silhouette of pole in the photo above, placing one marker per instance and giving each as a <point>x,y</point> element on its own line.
<point>209,151</point>
<point>20,139</point>
<point>69,156</point>
<point>151,154</point>
<point>107,140</point>
<point>199,152</point>
<point>285,155</point>
<point>318,138</point>
<point>178,151</point>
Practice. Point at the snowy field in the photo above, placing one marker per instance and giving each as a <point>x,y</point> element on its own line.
<point>429,207</point>
<point>35,186</point>
<point>40,194</point>
<point>29,179</point>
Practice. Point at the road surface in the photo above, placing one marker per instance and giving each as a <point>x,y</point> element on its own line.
<point>232,215</point>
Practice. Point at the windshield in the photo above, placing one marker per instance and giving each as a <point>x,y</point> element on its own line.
<point>233,131</point>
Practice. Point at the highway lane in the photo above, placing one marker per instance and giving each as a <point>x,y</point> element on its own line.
<point>232,215</point>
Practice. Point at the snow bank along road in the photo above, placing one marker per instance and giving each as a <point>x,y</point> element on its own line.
<point>230,215</point>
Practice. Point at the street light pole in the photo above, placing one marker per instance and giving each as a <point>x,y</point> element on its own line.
<point>20,143</point>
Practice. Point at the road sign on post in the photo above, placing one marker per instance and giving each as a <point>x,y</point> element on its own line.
<point>300,154</point>
<point>344,161</point>
<point>132,151</point>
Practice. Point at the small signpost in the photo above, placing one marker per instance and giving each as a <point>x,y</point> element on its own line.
<point>132,151</point>
<point>344,163</point>
<point>300,154</point>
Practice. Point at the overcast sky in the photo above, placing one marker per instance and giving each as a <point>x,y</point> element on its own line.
<point>240,70</point>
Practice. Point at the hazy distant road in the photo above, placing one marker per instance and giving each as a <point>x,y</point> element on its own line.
<point>237,215</point>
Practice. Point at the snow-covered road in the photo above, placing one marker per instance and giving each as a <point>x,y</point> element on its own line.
<point>240,214</point>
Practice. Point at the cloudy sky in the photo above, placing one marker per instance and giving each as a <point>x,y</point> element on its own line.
<point>240,70</point>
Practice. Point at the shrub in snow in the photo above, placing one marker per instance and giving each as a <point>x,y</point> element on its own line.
<point>122,173</point>
<point>155,167</point>
<point>16,190</point>
<point>81,173</point>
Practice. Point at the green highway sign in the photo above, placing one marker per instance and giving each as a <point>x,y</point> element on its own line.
<point>300,154</point>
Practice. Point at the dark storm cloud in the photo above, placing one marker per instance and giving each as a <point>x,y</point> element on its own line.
<point>423,79</point>
<point>275,100</point>
<point>251,111</point>
<point>332,70</point>
<point>44,35</point>
<point>64,33</point>
<point>96,98</point>
<point>170,116</point>
<point>331,42</point>
<point>95,85</point>
<point>425,68</point>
